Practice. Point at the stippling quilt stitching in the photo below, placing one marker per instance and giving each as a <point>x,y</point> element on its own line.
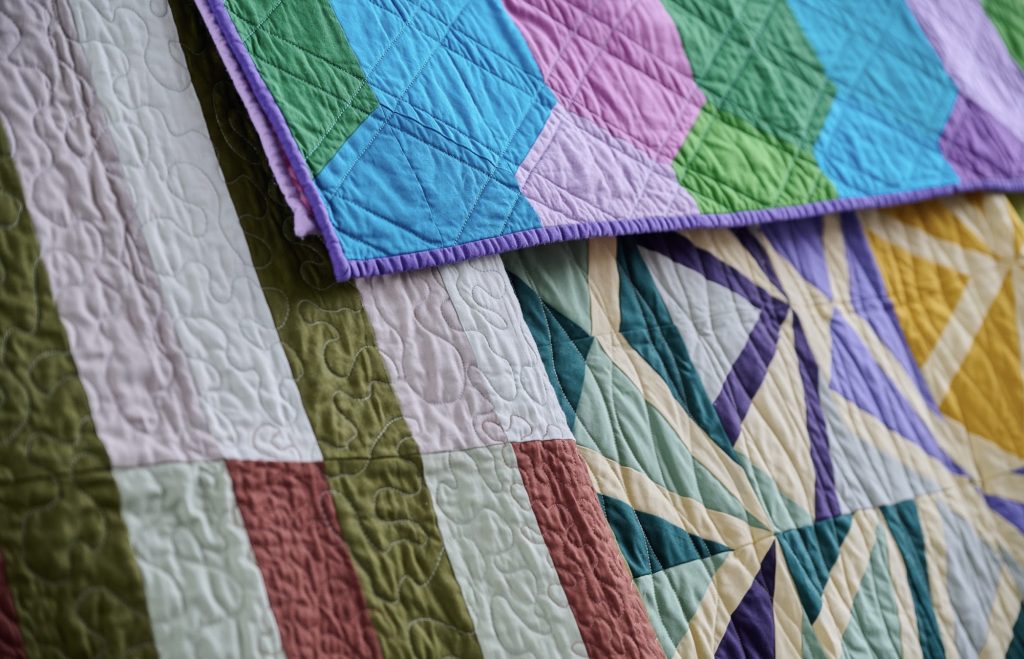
<point>794,439</point>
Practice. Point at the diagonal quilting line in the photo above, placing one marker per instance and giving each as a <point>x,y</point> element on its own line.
<point>399,97</point>
<point>444,123</point>
<point>268,32</point>
<point>881,44</point>
<point>306,82</point>
<point>468,37</point>
<point>627,39</point>
<point>652,167</point>
<point>266,18</point>
<point>348,105</point>
<point>714,58</point>
<point>452,27</point>
<point>799,150</point>
<point>423,191</point>
<point>854,100</point>
<point>494,166</point>
<point>601,48</point>
<point>366,81</point>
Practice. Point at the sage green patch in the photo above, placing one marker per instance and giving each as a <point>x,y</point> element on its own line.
<point>372,462</point>
<point>69,564</point>
<point>729,165</point>
<point>310,69</point>
<point>1008,18</point>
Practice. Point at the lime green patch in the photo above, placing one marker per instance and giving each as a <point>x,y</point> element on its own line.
<point>753,61</point>
<point>729,165</point>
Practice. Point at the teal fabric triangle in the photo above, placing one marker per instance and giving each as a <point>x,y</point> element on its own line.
<point>650,543</point>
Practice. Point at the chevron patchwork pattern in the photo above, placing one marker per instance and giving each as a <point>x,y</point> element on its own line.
<point>807,437</point>
<point>410,134</point>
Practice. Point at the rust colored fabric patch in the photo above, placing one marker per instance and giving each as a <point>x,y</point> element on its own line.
<point>611,617</point>
<point>310,579</point>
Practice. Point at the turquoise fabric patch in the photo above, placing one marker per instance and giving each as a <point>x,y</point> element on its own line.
<point>892,100</point>
<point>446,157</point>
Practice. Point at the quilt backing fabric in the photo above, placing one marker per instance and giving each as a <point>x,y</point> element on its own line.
<point>411,133</point>
<point>802,439</point>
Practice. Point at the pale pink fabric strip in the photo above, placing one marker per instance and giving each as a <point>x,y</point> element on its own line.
<point>144,404</point>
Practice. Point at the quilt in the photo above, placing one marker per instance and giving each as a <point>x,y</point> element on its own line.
<point>792,439</point>
<point>410,133</point>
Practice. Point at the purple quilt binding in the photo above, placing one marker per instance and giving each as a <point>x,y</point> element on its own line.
<point>296,181</point>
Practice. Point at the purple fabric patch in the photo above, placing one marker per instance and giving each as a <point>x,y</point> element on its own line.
<point>751,630</point>
<point>619,64</point>
<point>1012,511</point>
<point>857,377</point>
<point>802,246</point>
<point>978,146</point>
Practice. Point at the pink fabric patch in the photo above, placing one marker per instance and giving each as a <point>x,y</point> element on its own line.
<point>578,173</point>
<point>620,65</point>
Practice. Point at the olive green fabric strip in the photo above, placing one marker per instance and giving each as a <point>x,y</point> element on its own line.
<point>372,462</point>
<point>70,567</point>
<point>307,64</point>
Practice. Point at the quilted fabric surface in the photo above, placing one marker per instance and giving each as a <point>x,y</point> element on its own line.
<point>801,439</point>
<point>410,134</point>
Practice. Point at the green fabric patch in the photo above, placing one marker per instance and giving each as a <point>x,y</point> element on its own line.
<point>563,347</point>
<point>874,627</point>
<point>905,526</point>
<point>616,420</point>
<point>1018,205</point>
<point>1016,649</point>
<point>651,544</point>
<point>558,273</point>
<point>1008,18</point>
<point>810,553</point>
<point>307,64</point>
<point>673,596</point>
<point>69,564</point>
<point>648,327</point>
<point>764,171</point>
<point>752,60</point>
<point>372,461</point>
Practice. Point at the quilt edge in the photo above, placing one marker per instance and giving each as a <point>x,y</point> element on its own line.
<point>659,224</point>
<point>286,163</point>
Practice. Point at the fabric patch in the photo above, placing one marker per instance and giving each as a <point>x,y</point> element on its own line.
<point>211,552</point>
<point>66,556</point>
<point>303,54</point>
<point>187,222</point>
<point>311,582</point>
<point>493,540</point>
<point>595,579</point>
